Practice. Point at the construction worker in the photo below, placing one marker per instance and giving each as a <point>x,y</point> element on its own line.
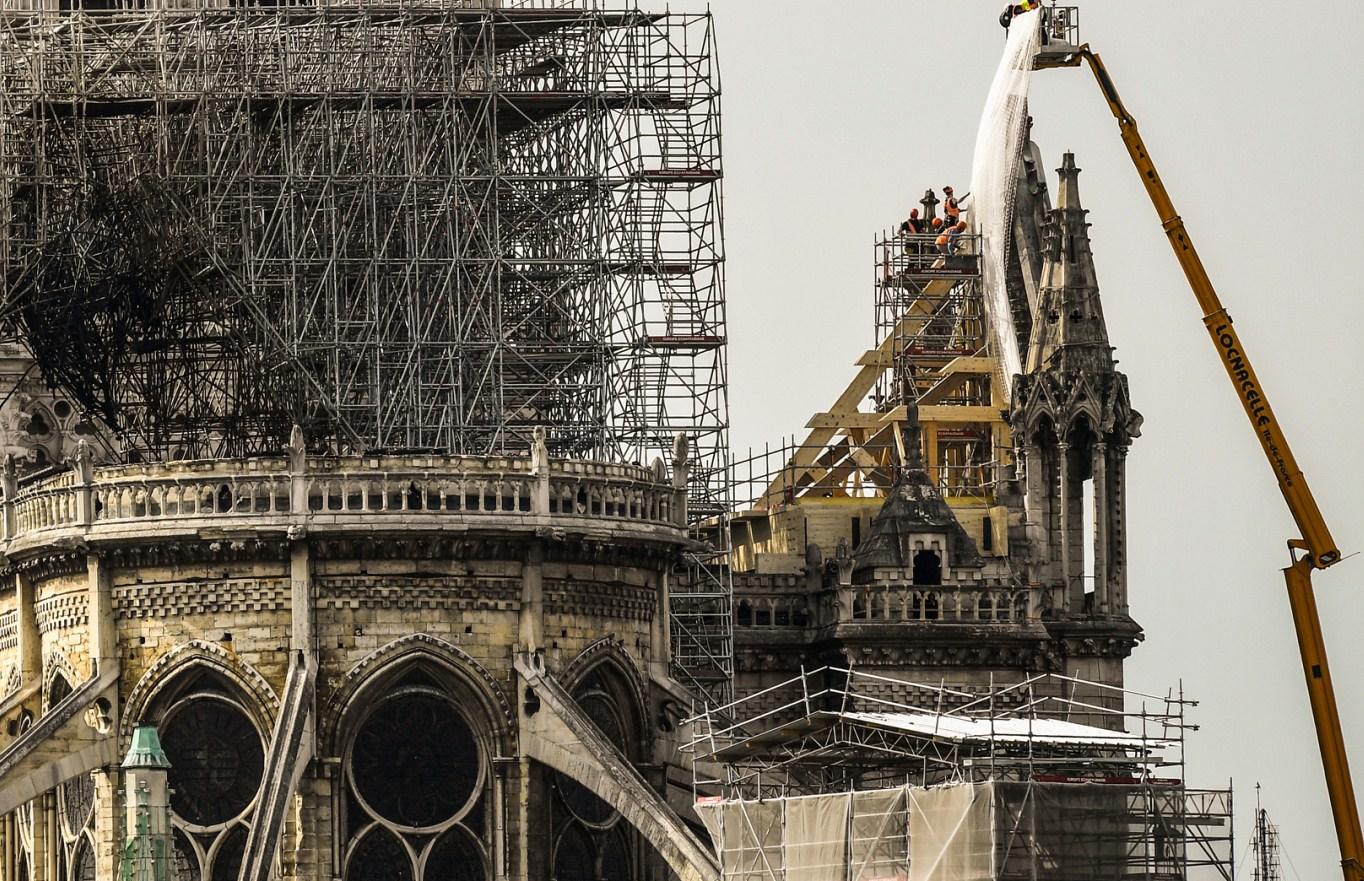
<point>913,226</point>
<point>944,236</point>
<point>954,234</point>
<point>1019,8</point>
<point>950,209</point>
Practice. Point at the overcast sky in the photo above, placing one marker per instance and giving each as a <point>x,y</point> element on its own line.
<point>839,114</point>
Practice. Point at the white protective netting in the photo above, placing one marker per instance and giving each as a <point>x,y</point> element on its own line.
<point>901,834</point>
<point>970,832</point>
<point>994,172</point>
<point>951,833</point>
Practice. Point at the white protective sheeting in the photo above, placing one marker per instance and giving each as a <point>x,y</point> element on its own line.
<point>749,837</point>
<point>964,729</point>
<point>951,833</point>
<point>878,846</point>
<point>817,837</point>
<point>994,172</point>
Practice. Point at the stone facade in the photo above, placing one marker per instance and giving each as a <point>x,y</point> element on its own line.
<point>405,666</point>
<point>931,590</point>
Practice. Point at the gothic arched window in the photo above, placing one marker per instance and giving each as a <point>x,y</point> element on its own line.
<point>592,842</point>
<point>927,568</point>
<point>217,755</point>
<point>416,776</point>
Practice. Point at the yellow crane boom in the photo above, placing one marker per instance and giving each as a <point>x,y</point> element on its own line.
<point>1318,549</point>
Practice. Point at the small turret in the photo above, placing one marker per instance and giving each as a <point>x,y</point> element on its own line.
<point>146,795</point>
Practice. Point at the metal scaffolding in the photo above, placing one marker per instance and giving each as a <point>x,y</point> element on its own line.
<point>848,775</point>
<point>403,226</point>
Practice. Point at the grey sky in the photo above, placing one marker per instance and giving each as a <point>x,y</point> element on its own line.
<point>839,115</point>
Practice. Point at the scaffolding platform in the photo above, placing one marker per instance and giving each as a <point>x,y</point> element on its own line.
<point>843,775</point>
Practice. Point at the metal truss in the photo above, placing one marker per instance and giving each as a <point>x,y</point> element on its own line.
<point>403,226</point>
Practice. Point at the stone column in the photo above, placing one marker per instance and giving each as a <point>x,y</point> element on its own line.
<point>53,835</point>
<point>301,636</point>
<point>1038,511</point>
<point>30,644</point>
<point>530,635</point>
<point>660,652</point>
<point>107,827</point>
<point>38,869</point>
<point>1101,510</point>
<point>1071,601</point>
<point>100,601</point>
<point>1118,594</point>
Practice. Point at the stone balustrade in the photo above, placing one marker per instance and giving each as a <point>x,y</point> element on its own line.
<point>264,492</point>
<point>943,603</point>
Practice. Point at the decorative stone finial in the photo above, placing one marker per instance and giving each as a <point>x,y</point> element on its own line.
<point>297,449</point>
<point>539,451</point>
<point>681,449</point>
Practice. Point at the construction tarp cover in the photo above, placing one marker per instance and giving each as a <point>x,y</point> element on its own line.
<point>994,174</point>
<point>962,832</point>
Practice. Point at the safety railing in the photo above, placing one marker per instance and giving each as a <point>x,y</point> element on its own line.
<point>336,489</point>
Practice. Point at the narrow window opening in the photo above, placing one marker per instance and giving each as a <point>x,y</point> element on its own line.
<point>927,568</point>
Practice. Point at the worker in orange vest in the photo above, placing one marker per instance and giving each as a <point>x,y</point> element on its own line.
<point>950,208</point>
<point>954,234</point>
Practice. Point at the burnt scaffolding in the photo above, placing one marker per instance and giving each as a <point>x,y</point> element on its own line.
<point>404,227</point>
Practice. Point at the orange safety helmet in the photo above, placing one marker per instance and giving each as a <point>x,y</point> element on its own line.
<point>937,222</point>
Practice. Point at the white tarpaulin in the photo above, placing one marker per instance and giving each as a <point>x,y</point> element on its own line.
<point>951,833</point>
<point>878,843</point>
<point>748,836</point>
<point>994,172</point>
<point>817,837</point>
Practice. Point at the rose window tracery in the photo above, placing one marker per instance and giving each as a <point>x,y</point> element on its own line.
<point>217,757</point>
<point>416,781</point>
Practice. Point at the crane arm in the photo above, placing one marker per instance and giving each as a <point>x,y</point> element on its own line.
<point>1319,548</point>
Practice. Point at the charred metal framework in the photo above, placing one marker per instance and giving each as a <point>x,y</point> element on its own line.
<point>405,226</point>
<point>402,226</point>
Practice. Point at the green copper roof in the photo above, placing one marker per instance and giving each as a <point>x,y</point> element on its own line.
<point>146,751</point>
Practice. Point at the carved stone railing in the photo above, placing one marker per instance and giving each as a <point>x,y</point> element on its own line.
<point>281,493</point>
<point>946,604</point>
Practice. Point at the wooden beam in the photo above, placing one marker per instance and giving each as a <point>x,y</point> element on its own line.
<point>948,413</point>
<point>847,422</point>
<point>861,384</point>
<point>970,364</point>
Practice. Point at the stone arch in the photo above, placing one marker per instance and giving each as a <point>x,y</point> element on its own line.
<point>214,714</point>
<point>258,697</point>
<point>57,664</point>
<point>607,656</point>
<point>417,725</point>
<point>383,665</point>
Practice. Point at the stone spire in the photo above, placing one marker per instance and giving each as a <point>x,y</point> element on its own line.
<point>1069,331</point>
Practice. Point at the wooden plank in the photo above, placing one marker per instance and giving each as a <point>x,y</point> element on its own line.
<point>948,413</point>
<point>847,422</point>
<point>970,364</point>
